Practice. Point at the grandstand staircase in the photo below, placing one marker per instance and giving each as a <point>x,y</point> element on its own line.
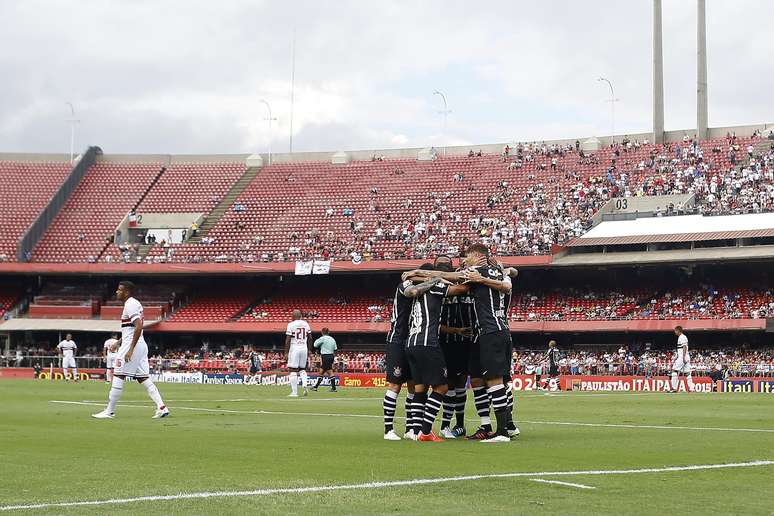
<point>228,200</point>
<point>145,248</point>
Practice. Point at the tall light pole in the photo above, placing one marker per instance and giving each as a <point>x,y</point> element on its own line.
<point>72,120</point>
<point>612,101</point>
<point>701,70</point>
<point>270,119</point>
<point>445,113</point>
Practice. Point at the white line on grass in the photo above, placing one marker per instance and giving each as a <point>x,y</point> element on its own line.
<point>374,416</point>
<point>236,400</point>
<point>559,483</point>
<point>382,484</point>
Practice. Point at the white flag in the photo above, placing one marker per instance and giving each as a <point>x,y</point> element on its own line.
<point>304,268</point>
<point>321,267</point>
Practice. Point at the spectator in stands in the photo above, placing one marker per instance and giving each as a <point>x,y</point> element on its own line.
<point>194,229</point>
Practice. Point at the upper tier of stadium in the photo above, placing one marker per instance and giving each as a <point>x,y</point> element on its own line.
<point>374,205</point>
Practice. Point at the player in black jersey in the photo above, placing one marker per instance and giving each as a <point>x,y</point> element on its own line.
<point>552,361</point>
<point>396,362</point>
<point>255,367</point>
<point>491,288</point>
<point>428,366</point>
<point>455,338</point>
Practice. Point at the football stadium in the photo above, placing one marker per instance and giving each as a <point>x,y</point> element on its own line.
<point>305,299</point>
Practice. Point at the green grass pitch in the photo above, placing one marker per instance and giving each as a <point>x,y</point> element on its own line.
<point>237,438</point>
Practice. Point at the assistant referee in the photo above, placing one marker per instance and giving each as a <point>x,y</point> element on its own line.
<point>327,346</point>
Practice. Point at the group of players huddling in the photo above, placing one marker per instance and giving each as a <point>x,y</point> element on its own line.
<point>447,326</point>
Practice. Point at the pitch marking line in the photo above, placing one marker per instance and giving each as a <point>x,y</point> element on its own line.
<point>383,484</point>
<point>559,483</point>
<point>374,416</point>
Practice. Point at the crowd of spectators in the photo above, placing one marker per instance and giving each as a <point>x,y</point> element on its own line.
<point>702,302</point>
<point>738,362</point>
<point>545,195</point>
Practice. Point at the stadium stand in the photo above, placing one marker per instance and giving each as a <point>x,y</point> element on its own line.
<point>25,189</point>
<point>521,202</point>
<point>84,227</point>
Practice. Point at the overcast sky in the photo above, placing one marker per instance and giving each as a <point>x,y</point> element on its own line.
<point>151,76</point>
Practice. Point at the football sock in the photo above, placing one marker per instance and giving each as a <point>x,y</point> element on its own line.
<point>304,378</point>
<point>75,374</point>
<point>449,402</point>
<point>432,407</point>
<point>389,405</point>
<point>294,383</point>
<point>481,400</point>
<point>153,392</point>
<point>675,380</point>
<point>116,390</point>
<point>319,381</point>
<point>689,379</point>
<point>409,405</point>
<point>500,406</point>
<point>509,404</point>
<point>333,381</point>
<point>462,398</point>
<point>420,399</point>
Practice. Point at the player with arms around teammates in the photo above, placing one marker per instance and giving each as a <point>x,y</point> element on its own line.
<point>297,338</point>
<point>491,289</point>
<point>132,357</point>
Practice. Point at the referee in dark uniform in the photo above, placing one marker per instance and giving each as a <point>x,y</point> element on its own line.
<point>327,346</point>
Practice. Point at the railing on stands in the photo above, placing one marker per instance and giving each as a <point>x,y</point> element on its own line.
<point>38,228</point>
<point>752,369</point>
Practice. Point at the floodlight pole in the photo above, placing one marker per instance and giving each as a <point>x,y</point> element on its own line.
<point>612,101</point>
<point>72,120</point>
<point>445,113</point>
<point>270,119</point>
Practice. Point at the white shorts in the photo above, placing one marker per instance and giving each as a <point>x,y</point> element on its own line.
<point>137,366</point>
<point>68,363</point>
<point>110,361</point>
<point>681,366</point>
<point>297,358</point>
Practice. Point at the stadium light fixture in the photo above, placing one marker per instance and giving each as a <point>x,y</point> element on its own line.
<point>612,101</point>
<point>270,119</point>
<point>445,113</point>
<point>72,120</point>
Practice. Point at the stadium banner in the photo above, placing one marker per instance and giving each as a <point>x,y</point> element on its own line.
<point>762,385</point>
<point>17,372</point>
<point>175,377</point>
<point>304,268</point>
<point>631,383</point>
<point>321,267</point>
<point>224,379</point>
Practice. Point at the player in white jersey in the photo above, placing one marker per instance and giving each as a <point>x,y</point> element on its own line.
<point>682,362</point>
<point>67,349</point>
<point>109,351</point>
<point>297,348</point>
<point>132,357</point>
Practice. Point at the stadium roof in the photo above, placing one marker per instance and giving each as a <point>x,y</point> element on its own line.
<point>686,228</point>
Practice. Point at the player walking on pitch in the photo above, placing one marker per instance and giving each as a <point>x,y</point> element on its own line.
<point>109,350</point>
<point>296,349</point>
<point>132,357</point>
<point>682,363</point>
<point>67,349</point>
